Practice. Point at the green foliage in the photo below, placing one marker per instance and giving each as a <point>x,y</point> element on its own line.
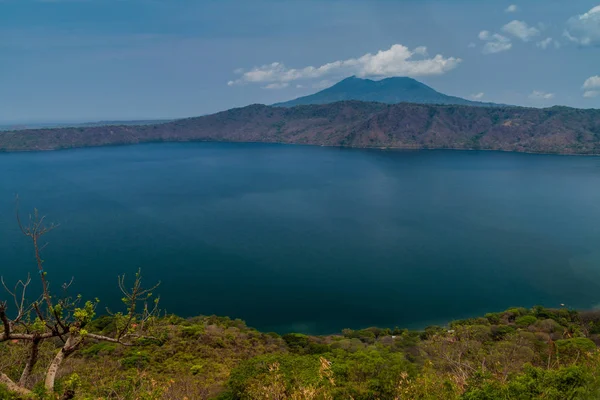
<point>104,324</point>
<point>71,383</point>
<point>499,332</point>
<point>296,342</point>
<point>368,373</point>
<point>549,326</point>
<point>303,344</point>
<point>136,386</point>
<point>365,374</point>
<point>364,335</point>
<point>136,359</point>
<point>493,318</point>
<point>431,331</point>
<point>516,311</point>
<point>535,382</point>
<point>469,321</point>
<point>579,344</point>
<point>506,355</point>
<point>196,369</point>
<point>295,370</point>
<point>100,348</point>
<point>525,321</point>
<point>38,326</point>
<point>192,330</point>
<point>594,327</point>
<point>574,348</point>
<point>6,394</point>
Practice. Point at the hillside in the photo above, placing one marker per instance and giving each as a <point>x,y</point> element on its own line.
<point>19,127</point>
<point>389,91</point>
<point>516,354</point>
<point>354,124</point>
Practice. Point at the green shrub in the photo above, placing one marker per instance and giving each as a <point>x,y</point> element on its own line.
<point>431,331</point>
<point>365,335</point>
<point>192,330</point>
<point>517,311</point>
<point>547,313</point>
<point>368,373</point>
<point>493,318</point>
<point>594,327</point>
<point>499,332</point>
<point>571,349</point>
<point>525,321</point>
<point>549,326</point>
<point>297,342</point>
<point>99,348</point>
<point>6,394</point>
<point>138,359</point>
<point>469,321</point>
<point>295,371</point>
<point>196,369</point>
<point>104,324</point>
<point>535,382</point>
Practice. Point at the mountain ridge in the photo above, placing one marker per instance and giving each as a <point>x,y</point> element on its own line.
<point>557,130</point>
<point>389,91</point>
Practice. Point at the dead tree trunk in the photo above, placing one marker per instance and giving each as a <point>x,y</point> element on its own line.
<point>13,387</point>
<point>70,346</point>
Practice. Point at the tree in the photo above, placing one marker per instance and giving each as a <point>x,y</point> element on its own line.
<point>63,318</point>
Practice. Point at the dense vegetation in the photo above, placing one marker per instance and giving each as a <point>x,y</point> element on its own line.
<point>351,124</point>
<point>516,354</point>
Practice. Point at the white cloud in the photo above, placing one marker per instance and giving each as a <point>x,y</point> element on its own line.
<point>276,85</point>
<point>398,60</point>
<point>591,86</point>
<point>477,96</point>
<point>471,45</point>
<point>299,86</point>
<point>521,30</point>
<point>421,50</point>
<point>593,82</point>
<point>540,95</point>
<point>544,43</point>
<point>584,29</point>
<point>511,9</point>
<point>495,42</point>
<point>324,84</point>
<point>496,47</point>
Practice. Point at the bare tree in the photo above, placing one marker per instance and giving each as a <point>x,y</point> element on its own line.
<point>63,318</point>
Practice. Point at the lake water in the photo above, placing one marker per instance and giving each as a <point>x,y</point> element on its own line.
<point>313,239</point>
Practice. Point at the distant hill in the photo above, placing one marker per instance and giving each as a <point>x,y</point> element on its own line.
<point>389,91</point>
<point>18,127</point>
<point>351,124</point>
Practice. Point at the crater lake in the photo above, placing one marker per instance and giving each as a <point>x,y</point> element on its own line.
<point>311,239</point>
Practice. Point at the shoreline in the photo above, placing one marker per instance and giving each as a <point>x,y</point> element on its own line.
<point>381,148</point>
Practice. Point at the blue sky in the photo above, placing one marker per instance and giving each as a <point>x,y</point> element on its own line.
<point>87,60</point>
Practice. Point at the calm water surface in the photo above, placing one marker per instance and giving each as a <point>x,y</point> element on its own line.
<point>313,239</point>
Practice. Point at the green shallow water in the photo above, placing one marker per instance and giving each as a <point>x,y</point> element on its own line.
<point>313,239</point>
